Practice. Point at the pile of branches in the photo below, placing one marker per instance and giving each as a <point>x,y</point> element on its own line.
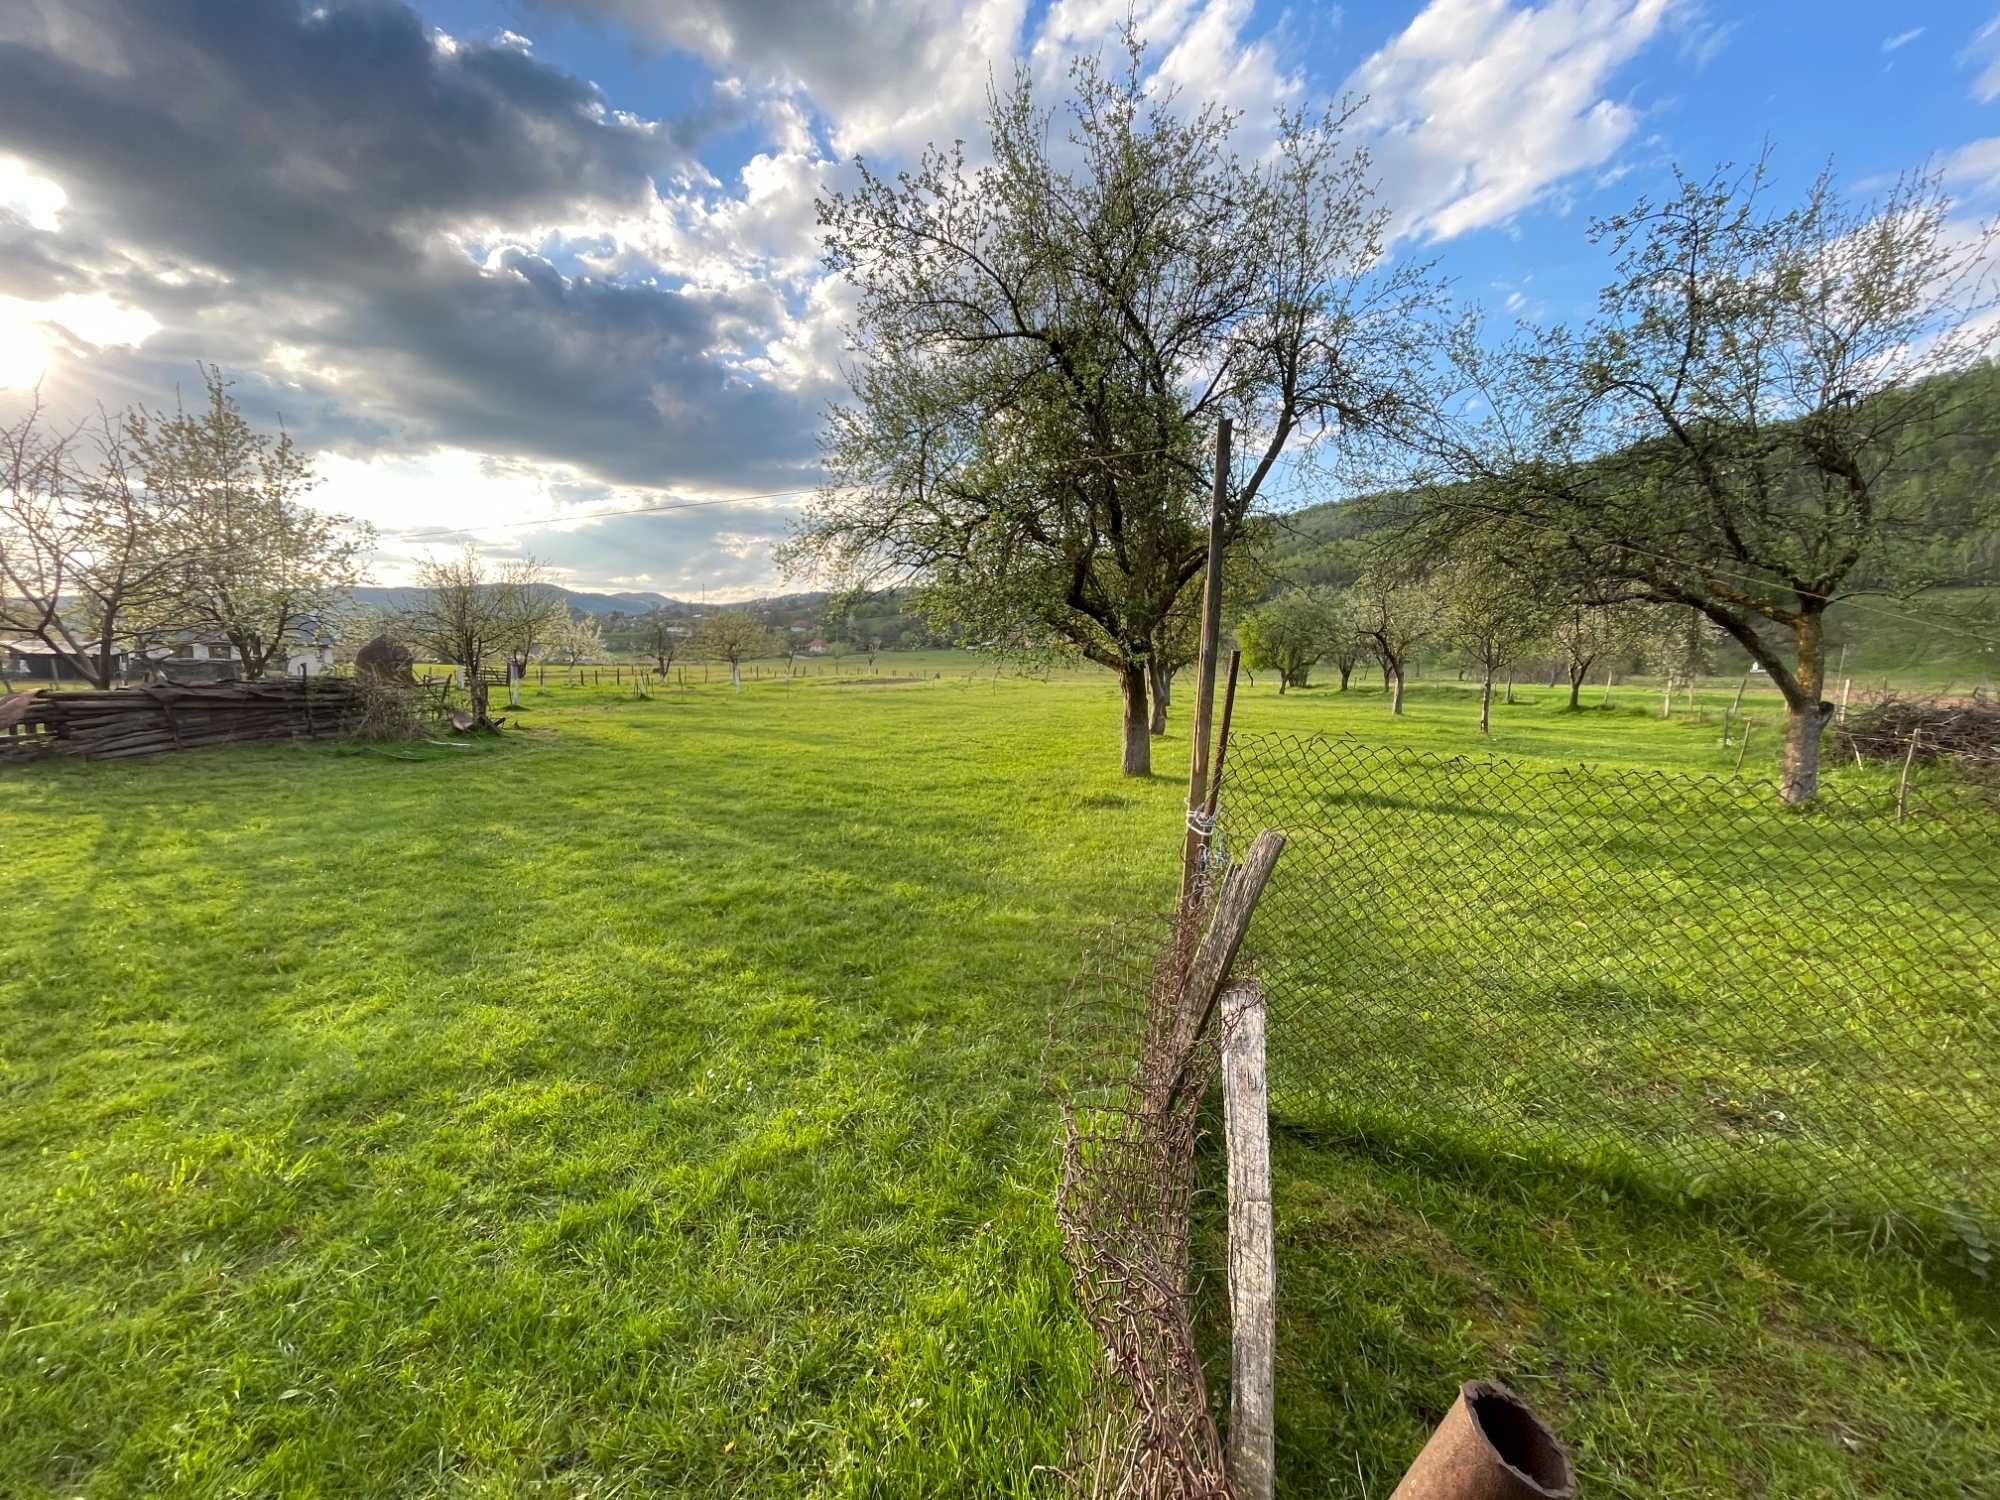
<point>1966,730</point>
<point>115,724</point>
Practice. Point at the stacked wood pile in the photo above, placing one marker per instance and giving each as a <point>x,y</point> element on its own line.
<point>23,735</point>
<point>171,716</point>
<point>1965,728</point>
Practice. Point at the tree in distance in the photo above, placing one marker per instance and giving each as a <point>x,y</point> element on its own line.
<point>734,636</point>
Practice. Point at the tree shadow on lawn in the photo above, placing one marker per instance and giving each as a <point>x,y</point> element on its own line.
<point>1674,1342</point>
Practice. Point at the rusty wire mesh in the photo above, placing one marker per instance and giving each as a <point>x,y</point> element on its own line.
<point>1130,1079</point>
<point>1674,973</point>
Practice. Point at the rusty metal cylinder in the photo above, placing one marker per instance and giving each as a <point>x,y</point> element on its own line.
<point>1489,1447</point>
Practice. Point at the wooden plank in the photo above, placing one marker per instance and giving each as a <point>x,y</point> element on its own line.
<point>1231,920</point>
<point>1253,1264</point>
<point>1226,926</point>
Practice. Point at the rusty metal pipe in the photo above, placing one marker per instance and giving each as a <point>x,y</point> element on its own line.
<point>1489,1447</point>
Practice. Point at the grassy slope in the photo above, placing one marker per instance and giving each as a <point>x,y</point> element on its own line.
<point>649,1105</point>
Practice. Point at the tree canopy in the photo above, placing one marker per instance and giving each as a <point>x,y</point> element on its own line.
<point>1043,347</point>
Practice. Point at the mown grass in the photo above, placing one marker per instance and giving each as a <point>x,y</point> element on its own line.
<point>1679,971</point>
<point>648,1103</point>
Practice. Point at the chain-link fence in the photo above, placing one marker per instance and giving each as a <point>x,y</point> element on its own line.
<point>1676,974</point>
<point>1130,1072</point>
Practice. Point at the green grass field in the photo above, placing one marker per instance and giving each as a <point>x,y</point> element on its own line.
<point>649,1103</point>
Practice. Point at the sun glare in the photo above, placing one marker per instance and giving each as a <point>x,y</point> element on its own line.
<point>24,353</point>
<point>26,349</point>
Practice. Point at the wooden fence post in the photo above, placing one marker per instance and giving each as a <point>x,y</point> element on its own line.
<point>1903,783</point>
<point>1253,1270</point>
<point>1741,747</point>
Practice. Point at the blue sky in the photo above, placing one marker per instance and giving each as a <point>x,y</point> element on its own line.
<point>506,265</point>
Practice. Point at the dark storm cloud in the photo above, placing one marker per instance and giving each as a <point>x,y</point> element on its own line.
<point>241,131</point>
<point>840,59</point>
<point>262,176</point>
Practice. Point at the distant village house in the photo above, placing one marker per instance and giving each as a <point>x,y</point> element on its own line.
<point>186,657</point>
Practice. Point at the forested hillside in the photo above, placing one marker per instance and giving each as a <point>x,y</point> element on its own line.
<point>1945,634</point>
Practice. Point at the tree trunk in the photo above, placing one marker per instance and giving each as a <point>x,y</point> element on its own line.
<point>1161,681</point>
<point>1798,780</point>
<point>736,675</point>
<point>1510,684</point>
<point>1486,703</point>
<point>1385,674</point>
<point>1345,672</point>
<point>1138,756</point>
<point>1809,713</point>
<point>1576,685</point>
<point>1396,702</point>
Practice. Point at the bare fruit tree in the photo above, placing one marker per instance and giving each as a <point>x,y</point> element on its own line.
<point>1397,612</point>
<point>471,612</point>
<point>1491,617</point>
<point>734,636</point>
<point>663,637</point>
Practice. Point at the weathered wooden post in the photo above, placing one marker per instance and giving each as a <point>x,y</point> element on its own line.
<point>1196,839</point>
<point>1741,748</point>
<point>1253,1269</point>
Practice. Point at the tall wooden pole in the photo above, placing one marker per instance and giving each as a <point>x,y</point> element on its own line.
<point>1204,702</point>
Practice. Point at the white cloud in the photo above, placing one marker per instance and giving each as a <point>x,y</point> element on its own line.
<point>1703,38</point>
<point>429,504</point>
<point>1983,52</point>
<point>908,72</point>
<point>1975,167</point>
<point>1901,39</point>
<point>1480,108</point>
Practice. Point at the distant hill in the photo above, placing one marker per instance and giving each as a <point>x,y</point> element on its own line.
<point>589,604</point>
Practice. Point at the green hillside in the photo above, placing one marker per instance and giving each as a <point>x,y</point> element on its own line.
<point>1947,637</point>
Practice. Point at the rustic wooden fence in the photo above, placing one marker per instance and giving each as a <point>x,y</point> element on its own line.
<point>122,722</point>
